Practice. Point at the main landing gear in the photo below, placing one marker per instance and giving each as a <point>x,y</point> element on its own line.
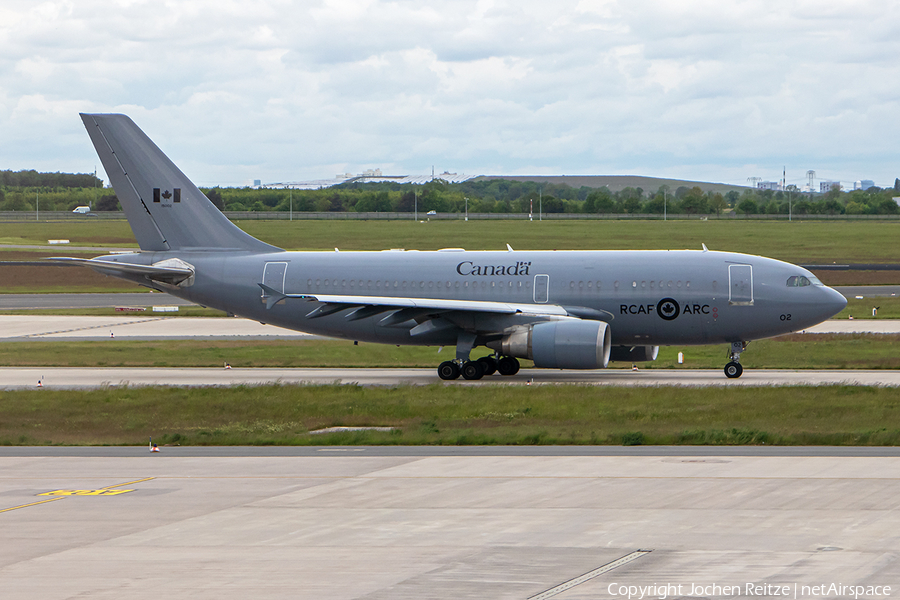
<point>476,369</point>
<point>733,369</point>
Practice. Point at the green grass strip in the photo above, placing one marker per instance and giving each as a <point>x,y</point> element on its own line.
<point>454,415</point>
<point>799,351</point>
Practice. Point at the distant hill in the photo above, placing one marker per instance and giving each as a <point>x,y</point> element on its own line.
<point>617,183</point>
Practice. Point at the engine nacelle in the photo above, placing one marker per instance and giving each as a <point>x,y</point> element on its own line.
<point>567,344</point>
<point>633,353</point>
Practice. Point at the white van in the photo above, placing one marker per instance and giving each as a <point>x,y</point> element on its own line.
<point>82,210</point>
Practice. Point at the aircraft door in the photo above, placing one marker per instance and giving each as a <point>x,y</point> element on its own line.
<point>740,288</point>
<point>541,288</point>
<point>273,275</point>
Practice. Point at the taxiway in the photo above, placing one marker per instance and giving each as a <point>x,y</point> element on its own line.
<point>85,378</point>
<point>155,326</point>
<point>340,525</point>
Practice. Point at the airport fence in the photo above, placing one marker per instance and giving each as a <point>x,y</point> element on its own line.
<point>48,216</point>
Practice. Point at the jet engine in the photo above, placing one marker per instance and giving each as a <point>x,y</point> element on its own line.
<point>633,354</point>
<point>564,344</point>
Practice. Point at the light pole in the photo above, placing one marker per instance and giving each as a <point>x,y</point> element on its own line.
<point>416,205</point>
<point>467,209</point>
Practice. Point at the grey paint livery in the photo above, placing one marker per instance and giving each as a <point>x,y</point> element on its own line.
<point>566,309</point>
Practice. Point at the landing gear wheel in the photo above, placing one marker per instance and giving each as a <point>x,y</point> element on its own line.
<point>508,366</point>
<point>472,370</point>
<point>733,370</point>
<point>448,370</point>
<point>488,364</point>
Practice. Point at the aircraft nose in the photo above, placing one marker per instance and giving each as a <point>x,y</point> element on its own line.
<point>833,301</point>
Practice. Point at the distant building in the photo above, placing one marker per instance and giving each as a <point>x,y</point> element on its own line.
<point>863,184</point>
<point>769,185</point>
<point>370,176</point>
<point>825,186</point>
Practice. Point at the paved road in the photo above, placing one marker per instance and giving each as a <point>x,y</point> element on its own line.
<point>869,291</point>
<point>83,377</point>
<point>342,525</point>
<point>63,248</point>
<point>447,451</point>
<point>149,326</point>
<point>154,326</point>
<point>25,301</point>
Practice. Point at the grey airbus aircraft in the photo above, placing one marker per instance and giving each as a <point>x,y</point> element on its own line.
<point>561,309</point>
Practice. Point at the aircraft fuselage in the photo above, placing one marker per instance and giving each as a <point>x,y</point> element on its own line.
<point>647,297</point>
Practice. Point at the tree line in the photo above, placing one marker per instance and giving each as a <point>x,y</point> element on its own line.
<point>33,179</point>
<point>59,192</point>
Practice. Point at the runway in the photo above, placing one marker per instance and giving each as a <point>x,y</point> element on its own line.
<point>155,326</point>
<point>148,326</point>
<point>86,378</point>
<point>111,300</point>
<point>63,301</point>
<point>347,525</point>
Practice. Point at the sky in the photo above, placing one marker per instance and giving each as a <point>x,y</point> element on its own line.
<point>237,90</point>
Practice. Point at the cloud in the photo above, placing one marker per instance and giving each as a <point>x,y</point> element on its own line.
<point>279,90</point>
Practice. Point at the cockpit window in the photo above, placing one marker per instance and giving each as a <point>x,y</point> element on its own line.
<point>800,281</point>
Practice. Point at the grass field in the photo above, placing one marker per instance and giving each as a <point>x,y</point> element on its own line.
<point>439,414</point>
<point>457,414</point>
<point>799,351</point>
<point>798,241</point>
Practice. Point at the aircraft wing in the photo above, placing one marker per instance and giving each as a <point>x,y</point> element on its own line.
<point>372,305</point>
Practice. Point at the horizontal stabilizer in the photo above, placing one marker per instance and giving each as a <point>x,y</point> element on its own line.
<point>172,271</point>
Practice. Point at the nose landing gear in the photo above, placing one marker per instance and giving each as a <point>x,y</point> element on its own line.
<point>733,369</point>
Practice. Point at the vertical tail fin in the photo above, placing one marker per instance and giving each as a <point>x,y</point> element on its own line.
<point>165,210</point>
